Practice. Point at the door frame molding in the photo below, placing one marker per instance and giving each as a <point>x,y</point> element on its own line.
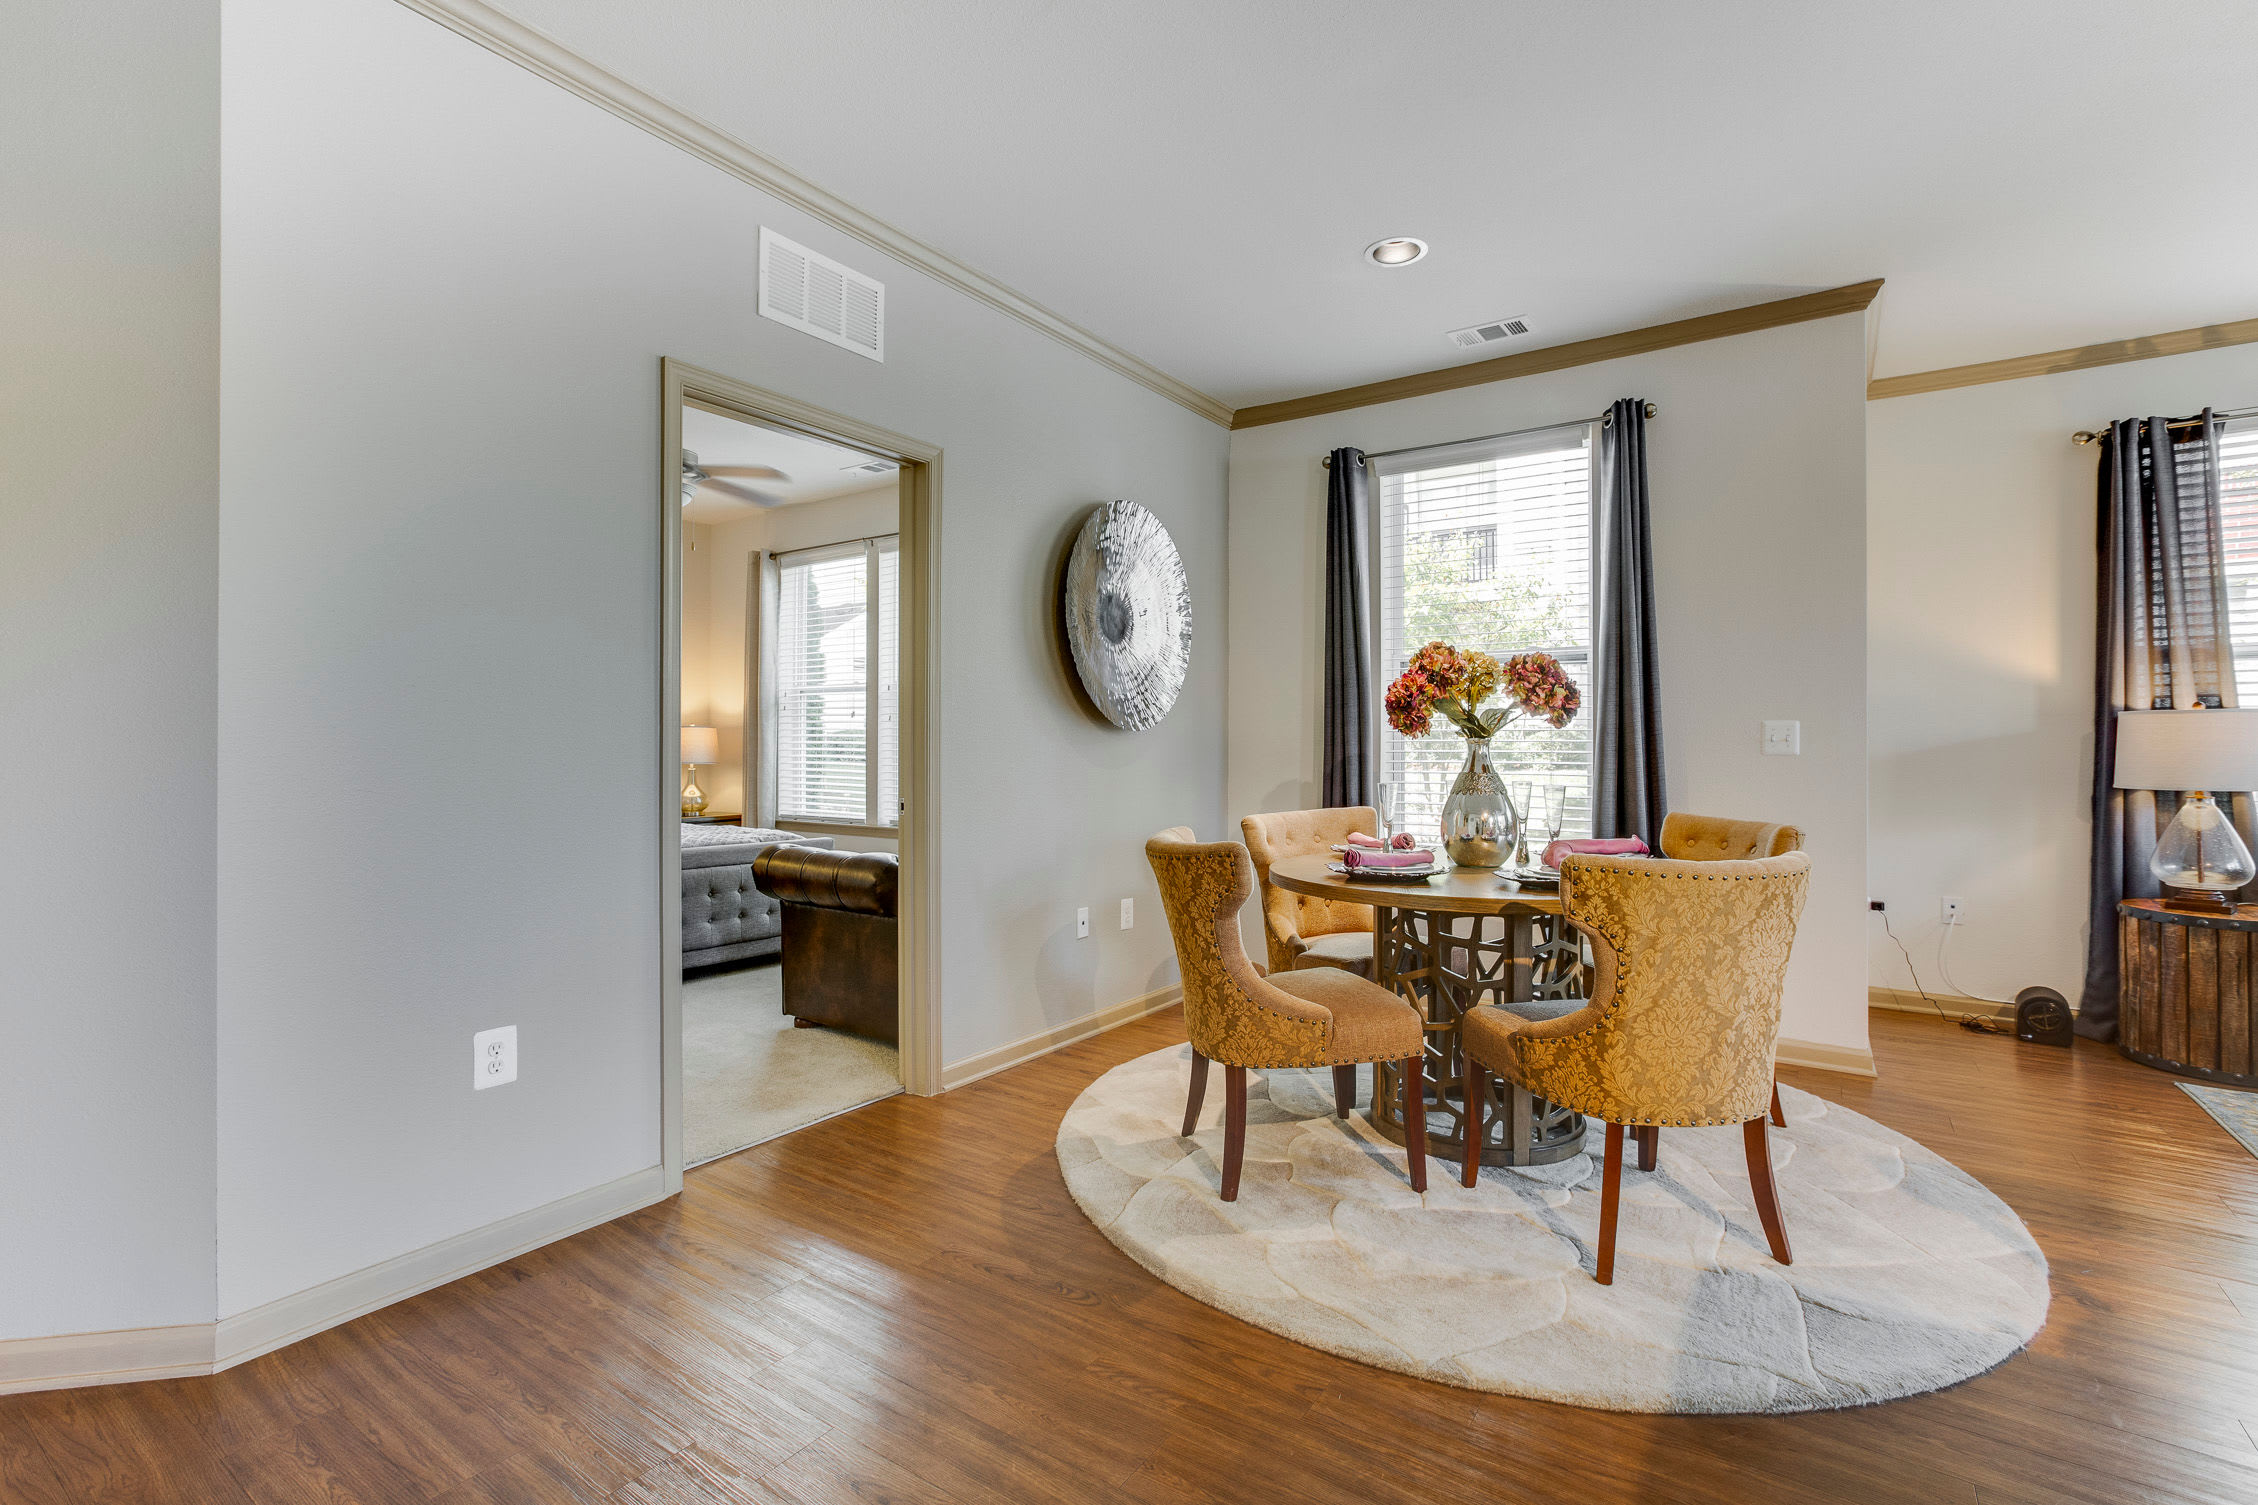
<point>920,482</point>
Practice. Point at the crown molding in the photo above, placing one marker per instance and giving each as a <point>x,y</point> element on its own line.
<point>543,55</point>
<point>2108,353</point>
<point>1607,347</point>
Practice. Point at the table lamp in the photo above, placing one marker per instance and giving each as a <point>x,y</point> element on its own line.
<point>702,744</point>
<point>2199,860</point>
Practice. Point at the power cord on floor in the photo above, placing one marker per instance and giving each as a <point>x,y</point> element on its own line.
<point>1965,1021</point>
<point>1944,970</point>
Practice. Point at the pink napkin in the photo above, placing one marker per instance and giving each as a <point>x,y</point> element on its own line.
<point>1359,839</point>
<point>1357,857</point>
<point>1617,846</point>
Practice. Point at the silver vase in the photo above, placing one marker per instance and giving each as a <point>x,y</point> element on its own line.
<point>1480,825</point>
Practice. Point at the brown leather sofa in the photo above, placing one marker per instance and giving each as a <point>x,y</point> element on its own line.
<point>841,952</point>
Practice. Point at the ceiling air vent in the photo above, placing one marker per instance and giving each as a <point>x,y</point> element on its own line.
<point>816,295</point>
<point>1489,334</point>
<point>871,468</point>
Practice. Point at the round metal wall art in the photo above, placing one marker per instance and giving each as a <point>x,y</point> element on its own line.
<point>1128,612</point>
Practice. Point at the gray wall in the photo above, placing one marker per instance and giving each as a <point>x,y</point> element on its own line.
<point>448,288</point>
<point>1757,464</point>
<point>109,317</point>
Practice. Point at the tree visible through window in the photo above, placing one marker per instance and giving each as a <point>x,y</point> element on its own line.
<point>1490,548</point>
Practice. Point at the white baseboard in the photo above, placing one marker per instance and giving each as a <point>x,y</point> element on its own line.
<point>1907,1001</point>
<point>1849,1060</point>
<point>106,1358</point>
<point>301,1314</point>
<point>164,1353</point>
<point>989,1062</point>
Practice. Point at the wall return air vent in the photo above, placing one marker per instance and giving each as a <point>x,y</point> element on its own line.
<point>1477,335</point>
<point>816,295</point>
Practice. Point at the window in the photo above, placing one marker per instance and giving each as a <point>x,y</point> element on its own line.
<point>838,684</point>
<point>2238,514</point>
<point>1488,545</point>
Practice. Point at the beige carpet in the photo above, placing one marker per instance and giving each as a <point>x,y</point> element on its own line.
<point>748,1075</point>
<point>1909,1275</point>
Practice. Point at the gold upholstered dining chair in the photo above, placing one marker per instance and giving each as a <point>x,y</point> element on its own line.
<point>1690,961</point>
<point>1712,838</point>
<point>1319,1016</point>
<point>1304,931</point>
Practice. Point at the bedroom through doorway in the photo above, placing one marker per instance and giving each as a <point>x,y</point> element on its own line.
<point>790,665</point>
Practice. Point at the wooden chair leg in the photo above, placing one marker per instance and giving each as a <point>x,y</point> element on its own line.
<point>1779,1119</point>
<point>1755,1135</point>
<point>1610,1186</point>
<point>1475,1082</point>
<point>1199,1094</point>
<point>1234,1128</point>
<point>1415,1118</point>
<point>1650,1146</point>
<point>1344,1090</point>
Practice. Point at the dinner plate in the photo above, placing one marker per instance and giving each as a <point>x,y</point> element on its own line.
<point>1385,874</point>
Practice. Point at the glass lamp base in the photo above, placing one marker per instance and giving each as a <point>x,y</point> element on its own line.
<point>693,798</point>
<point>2200,862</point>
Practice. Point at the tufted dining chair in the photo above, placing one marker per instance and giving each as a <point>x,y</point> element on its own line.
<point>1690,961</point>
<point>1712,838</point>
<point>1304,931</point>
<point>1319,1016</point>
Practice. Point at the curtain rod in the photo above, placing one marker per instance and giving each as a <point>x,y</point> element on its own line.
<point>2095,436</point>
<point>1602,420</point>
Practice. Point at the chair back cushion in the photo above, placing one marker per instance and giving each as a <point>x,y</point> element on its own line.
<point>1711,838</point>
<point>1230,1012</point>
<point>1290,919</point>
<point>1685,1010</point>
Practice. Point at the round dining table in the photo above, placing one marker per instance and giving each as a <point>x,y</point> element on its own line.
<point>1463,937</point>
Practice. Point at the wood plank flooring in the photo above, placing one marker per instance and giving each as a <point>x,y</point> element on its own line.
<point>904,1305</point>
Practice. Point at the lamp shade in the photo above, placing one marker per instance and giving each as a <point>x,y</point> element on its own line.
<point>701,744</point>
<point>2187,750</point>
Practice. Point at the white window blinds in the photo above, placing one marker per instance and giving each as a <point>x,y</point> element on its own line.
<point>2238,516</point>
<point>838,684</point>
<point>1487,545</point>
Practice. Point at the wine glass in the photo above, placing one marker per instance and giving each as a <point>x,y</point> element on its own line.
<point>1556,812</point>
<point>1385,803</point>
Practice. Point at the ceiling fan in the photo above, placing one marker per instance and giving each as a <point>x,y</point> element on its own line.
<point>722,478</point>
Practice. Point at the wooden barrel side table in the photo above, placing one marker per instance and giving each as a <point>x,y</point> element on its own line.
<point>2186,1000</point>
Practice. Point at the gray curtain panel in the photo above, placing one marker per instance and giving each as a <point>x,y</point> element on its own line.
<point>1629,795</point>
<point>1348,635</point>
<point>2163,641</point>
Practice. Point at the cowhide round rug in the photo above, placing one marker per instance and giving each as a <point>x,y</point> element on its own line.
<point>1909,1275</point>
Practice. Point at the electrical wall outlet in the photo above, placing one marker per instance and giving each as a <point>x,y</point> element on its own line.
<point>1082,923</point>
<point>1128,914</point>
<point>1948,910</point>
<point>1783,739</point>
<point>493,1057</point>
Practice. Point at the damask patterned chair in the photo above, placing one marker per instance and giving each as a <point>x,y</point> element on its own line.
<point>1302,931</point>
<point>1318,1016</point>
<point>1712,838</point>
<point>1691,958</point>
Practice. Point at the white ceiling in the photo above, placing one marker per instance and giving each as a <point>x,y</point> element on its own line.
<point>813,469</point>
<point>1195,181</point>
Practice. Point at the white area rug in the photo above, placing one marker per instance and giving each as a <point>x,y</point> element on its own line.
<point>1908,1275</point>
<point>749,1075</point>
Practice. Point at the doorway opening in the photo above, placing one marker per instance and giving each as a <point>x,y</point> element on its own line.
<point>797,545</point>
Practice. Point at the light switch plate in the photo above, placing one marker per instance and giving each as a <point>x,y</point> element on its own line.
<point>1783,739</point>
<point>1082,923</point>
<point>1128,913</point>
<point>493,1057</point>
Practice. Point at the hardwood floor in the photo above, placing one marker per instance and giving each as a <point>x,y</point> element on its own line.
<point>903,1304</point>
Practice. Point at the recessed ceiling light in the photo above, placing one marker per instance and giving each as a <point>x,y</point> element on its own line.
<point>1396,251</point>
